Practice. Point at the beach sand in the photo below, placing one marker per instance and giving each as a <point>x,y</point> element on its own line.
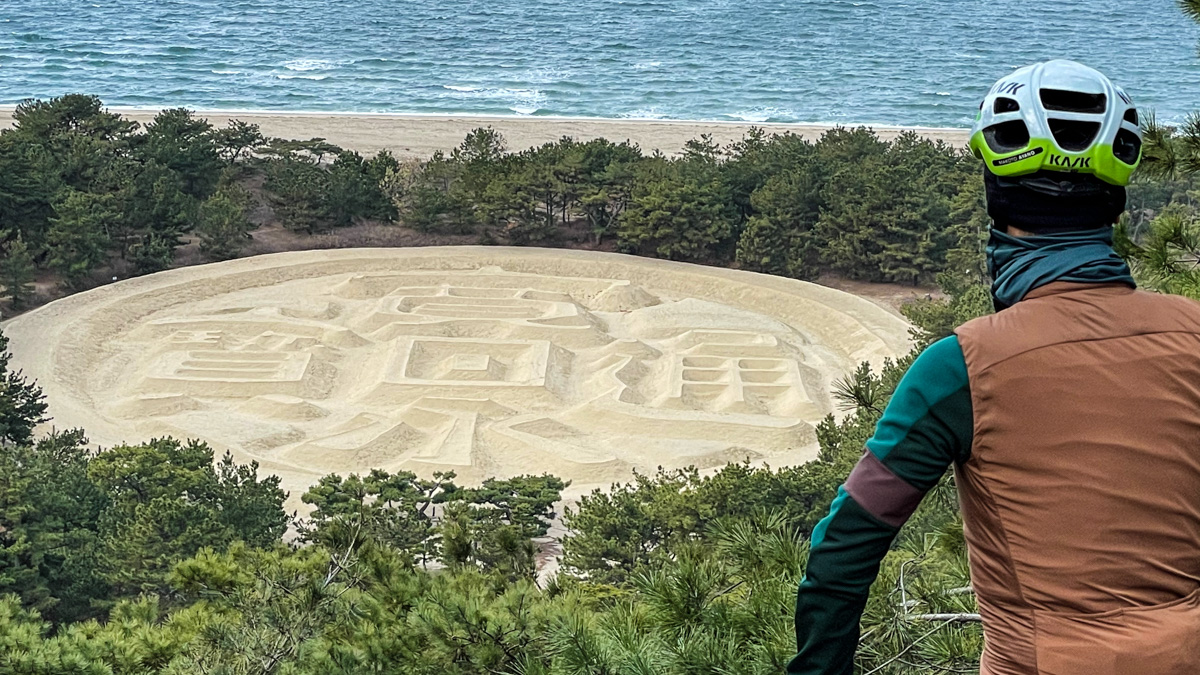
<point>421,135</point>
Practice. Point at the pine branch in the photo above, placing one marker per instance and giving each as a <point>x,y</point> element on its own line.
<point>1160,157</point>
<point>963,617</point>
<point>1191,9</point>
<point>904,651</point>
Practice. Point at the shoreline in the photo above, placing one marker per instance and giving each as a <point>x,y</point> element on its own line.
<point>418,135</point>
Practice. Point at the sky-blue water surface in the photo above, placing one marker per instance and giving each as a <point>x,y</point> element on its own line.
<point>902,62</point>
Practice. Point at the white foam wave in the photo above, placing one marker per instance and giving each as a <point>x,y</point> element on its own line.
<point>303,65</point>
<point>522,101</point>
<point>302,77</point>
<point>648,65</point>
<point>546,75</point>
<point>643,114</point>
<point>226,72</point>
<point>761,114</point>
<point>497,92</point>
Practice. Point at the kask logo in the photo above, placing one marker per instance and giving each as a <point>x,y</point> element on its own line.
<point>1069,162</point>
<point>1010,88</point>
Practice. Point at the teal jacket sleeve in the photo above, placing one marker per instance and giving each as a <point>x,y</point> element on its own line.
<point>927,425</point>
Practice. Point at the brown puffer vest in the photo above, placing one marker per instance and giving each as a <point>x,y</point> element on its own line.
<point>1082,495</point>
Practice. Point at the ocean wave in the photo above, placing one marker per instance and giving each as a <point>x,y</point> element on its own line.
<point>643,114</point>
<point>526,97</point>
<point>304,65</point>
<point>522,101</point>
<point>546,75</point>
<point>768,114</point>
<point>628,58</point>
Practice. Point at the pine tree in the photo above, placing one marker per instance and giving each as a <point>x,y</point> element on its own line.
<point>237,140</point>
<point>678,218</point>
<point>779,239</point>
<point>152,254</point>
<point>16,274</point>
<point>1163,258</point>
<point>297,189</point>
<point>77,243</point>
<point>223,227</point>
<point>1169,152</point>
<point>22,403</point>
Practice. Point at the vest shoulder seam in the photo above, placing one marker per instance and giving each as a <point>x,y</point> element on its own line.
<point>983,369</point>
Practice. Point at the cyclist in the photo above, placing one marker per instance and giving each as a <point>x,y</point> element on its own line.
<point>1071,418</point>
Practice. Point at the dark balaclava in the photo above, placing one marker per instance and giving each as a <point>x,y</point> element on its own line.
<point>1070,217</point>
<point>1052,201</point>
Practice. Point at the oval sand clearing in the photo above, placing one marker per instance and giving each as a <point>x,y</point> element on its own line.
<point>485,361</point>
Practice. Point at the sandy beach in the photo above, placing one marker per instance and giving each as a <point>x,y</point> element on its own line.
<point>422,135</point>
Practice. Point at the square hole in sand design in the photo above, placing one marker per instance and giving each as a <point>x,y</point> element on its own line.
<point>471,362</point>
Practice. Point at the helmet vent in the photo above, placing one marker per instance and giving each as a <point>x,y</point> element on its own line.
<point>1007,136</point>
<point>1074,136</point>
<point>1003,105</point>
<point>1131,116</point>
<point>1073,101</point>
<point>1127,147</point>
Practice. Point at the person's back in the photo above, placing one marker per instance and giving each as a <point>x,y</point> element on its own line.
<point>1071,418</point>
<point>1083,485</point>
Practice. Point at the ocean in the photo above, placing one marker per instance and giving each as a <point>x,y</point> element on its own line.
<point>911,63</point>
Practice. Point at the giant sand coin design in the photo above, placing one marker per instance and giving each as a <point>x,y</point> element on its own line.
<point>482,361</point>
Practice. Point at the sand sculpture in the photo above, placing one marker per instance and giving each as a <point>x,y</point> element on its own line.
<point>481,361</point>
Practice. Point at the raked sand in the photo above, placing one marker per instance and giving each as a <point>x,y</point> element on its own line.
<point>421,135</point>
<point>486,361</point>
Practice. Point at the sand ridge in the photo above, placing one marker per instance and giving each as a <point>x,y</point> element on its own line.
<point>485,361</point>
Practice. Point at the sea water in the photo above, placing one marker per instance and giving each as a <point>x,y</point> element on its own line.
<point>902,62</point>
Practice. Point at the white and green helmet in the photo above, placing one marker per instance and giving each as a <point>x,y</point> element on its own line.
<point>1060,116</point>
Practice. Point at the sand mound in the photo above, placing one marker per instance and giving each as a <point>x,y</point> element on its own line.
<point>485,361</point>
<point>154,405</point>
<point>283,407</point>
<point>624,298</point>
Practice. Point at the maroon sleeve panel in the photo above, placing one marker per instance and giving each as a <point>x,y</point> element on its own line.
<point>882,493</point>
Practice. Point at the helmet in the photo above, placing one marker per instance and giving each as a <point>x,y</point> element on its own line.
<point>1058,116</point>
